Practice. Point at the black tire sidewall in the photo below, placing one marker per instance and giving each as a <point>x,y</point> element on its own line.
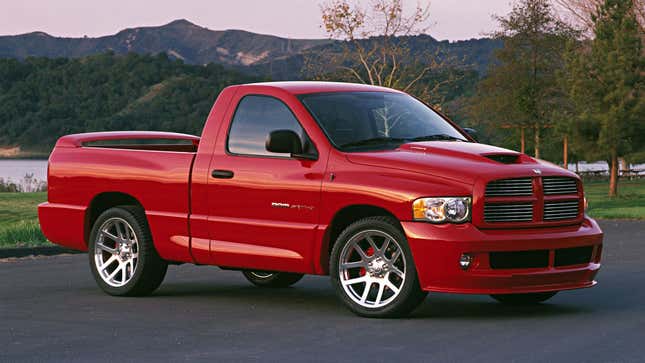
<point>145,246</point>
<point>411,294</point>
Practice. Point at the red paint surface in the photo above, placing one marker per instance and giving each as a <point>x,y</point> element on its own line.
<point>230,222</point>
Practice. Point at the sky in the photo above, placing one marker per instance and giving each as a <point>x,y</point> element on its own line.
<point>452,20</point>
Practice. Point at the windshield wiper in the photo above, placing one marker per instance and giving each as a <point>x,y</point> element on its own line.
<point>375,141</point>
<point>437,137</point>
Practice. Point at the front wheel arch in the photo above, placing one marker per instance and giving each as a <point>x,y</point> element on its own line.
<point>342,219</point>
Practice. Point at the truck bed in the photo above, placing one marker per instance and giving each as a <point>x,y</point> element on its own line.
<point>86,169</point>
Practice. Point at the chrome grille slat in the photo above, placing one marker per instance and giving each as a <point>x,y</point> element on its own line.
<point>559,185</point>
<point>560,210</point>
<point>517,212</point>
<point>510,187</point>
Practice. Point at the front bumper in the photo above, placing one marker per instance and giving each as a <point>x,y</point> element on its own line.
<point>437,248</point>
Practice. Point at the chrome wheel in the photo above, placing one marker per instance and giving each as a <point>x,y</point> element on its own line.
<point>116,252</point>
<point>372,268</point>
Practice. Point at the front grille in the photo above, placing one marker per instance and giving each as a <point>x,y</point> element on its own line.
<point>519,259</point>
<point>573,256</point>
<point>517,212</point>
<point>559,185</point>
<point>554,211</point>
<point>553,199</point>
<point>510,187</point>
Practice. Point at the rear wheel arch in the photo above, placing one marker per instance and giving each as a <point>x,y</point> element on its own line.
<point>102,202</point>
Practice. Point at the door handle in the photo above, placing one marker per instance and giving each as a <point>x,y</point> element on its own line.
<point>222,174</point>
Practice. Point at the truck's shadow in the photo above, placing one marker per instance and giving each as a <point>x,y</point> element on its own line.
<point>321,299</point>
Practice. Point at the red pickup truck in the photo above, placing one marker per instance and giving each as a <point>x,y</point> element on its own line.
<point>362,183</point>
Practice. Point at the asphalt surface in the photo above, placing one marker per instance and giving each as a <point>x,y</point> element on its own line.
<point>51,310</point>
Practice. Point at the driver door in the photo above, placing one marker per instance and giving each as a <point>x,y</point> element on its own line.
<point>263,206</point>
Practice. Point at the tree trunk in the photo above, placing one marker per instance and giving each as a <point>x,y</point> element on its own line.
<point>613,175</point>
<point>565,151</point>
<point>522,140</point>
<point>537,141</point>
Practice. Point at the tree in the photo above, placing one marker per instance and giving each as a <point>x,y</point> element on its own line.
<point>606,84</point>
<point>521,90</point>
<point>374,41</point>
<point>583,12</point>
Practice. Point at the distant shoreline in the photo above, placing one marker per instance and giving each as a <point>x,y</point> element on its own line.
<point>17,153</point>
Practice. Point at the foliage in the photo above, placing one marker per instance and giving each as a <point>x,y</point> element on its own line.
<point>605,82</point>
<point>385,60</point>
<point>28,184</point>
<point>582,12</point>
<point>43,99</point>
<point>521,91</point>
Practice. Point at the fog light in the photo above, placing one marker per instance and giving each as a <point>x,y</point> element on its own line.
<point>465,260</point>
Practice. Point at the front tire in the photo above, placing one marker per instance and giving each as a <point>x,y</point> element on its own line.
<point>373,271</point>
<point>524,299</point>
<point>122,256</point>
<point>272,279</point>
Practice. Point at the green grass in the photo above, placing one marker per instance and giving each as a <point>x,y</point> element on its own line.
<point>630,203</point>
<point>19,220</point>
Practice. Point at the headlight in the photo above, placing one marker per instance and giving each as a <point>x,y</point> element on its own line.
<point>442,210</point>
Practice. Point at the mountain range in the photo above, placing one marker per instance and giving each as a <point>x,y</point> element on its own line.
<point>270,56</point>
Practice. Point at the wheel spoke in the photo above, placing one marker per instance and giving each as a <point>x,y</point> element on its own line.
<point>391,286</point>
<point>366,291</point>
<point>379,295</point>
<point>116,270</point>
<point>398,272</point>
<point>120,231</point>
<point>372,244</point>
<point>355,281</point>
<point>110,236</point>
<point>395,256</point>
<point>105,248</point>
<point>386,244</point>
<point>361,252</point>
<point>348,265</point>
<point>107,263</point>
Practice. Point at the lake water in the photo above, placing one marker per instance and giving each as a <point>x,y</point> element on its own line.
<point>18,168</point>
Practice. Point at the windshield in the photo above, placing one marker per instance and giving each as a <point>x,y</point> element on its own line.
<point>358,121</point>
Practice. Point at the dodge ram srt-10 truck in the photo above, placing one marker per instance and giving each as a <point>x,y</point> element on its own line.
<point>362,183</point>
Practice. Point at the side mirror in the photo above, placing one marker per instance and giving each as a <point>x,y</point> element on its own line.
<point>471,132</point>
<point>287,142</point>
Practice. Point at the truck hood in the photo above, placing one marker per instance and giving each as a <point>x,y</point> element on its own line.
<point>464,162</point>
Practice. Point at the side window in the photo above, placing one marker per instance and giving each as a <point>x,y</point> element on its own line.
<point>255,118</point>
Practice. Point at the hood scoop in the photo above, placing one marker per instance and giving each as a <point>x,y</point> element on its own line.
<point>504,158</point>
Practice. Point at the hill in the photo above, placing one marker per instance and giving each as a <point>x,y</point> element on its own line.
<point>179,39</point>
<point>42,99</point>
<point>257,54</point>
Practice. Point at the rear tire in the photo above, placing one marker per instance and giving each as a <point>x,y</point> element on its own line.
<point>272,279</point>
<point>524,299</point>
<point>372,269</point>
<point>122,256</point>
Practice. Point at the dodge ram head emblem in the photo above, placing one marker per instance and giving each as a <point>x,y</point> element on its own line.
<point>537,171</point>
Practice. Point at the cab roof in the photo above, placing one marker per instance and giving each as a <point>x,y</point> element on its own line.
<point>304,87</point>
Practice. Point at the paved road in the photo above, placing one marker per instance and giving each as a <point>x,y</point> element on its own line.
<point>51,310</point>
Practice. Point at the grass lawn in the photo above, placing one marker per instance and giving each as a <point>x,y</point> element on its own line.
<point>19,219</point>
<point>630,203</point>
